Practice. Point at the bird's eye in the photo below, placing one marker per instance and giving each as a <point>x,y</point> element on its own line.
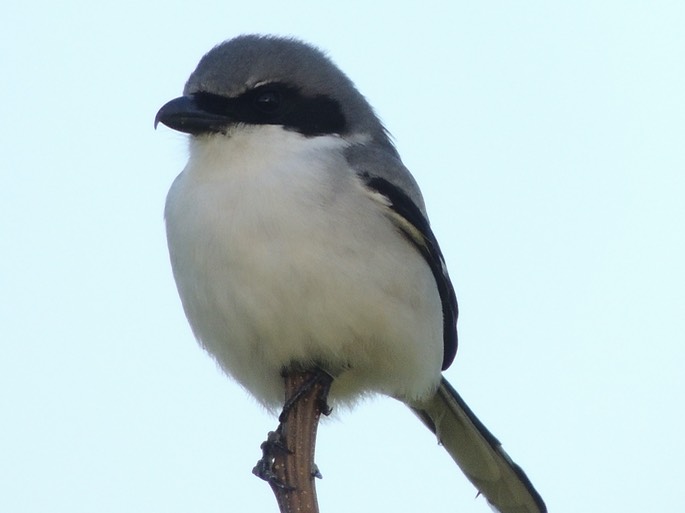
<point>268,102</point>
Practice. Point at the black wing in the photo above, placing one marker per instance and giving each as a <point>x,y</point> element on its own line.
<point>414,225</point>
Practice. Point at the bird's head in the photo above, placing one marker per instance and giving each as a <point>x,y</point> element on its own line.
<point>267,80</point>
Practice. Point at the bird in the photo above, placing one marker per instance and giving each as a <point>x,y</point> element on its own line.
<point>298,238</point>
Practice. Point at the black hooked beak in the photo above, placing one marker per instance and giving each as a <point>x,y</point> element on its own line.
<point>186,114</point>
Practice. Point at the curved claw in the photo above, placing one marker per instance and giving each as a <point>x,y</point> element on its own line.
<point>264,467</point>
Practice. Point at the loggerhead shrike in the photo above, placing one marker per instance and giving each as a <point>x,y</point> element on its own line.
<point>298,238</point>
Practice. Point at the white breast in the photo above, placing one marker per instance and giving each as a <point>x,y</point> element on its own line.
<point>280,257</point>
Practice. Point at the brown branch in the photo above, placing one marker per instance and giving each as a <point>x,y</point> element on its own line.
<point>288,461</point>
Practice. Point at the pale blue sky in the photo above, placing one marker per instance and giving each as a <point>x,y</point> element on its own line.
<point>548,139</point>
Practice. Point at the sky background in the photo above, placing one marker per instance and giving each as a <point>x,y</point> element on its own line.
<point>549,141</point>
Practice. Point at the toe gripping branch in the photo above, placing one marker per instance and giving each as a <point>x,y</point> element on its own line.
<point>287,462</point>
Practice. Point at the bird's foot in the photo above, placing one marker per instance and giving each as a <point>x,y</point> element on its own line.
<point>319,377</point>
<point>264,469</point>
<point>287,462</point>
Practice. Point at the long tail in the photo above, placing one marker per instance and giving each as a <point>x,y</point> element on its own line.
<point>478,453</point>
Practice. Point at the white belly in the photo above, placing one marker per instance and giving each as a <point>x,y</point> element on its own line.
<point>280,258</point>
